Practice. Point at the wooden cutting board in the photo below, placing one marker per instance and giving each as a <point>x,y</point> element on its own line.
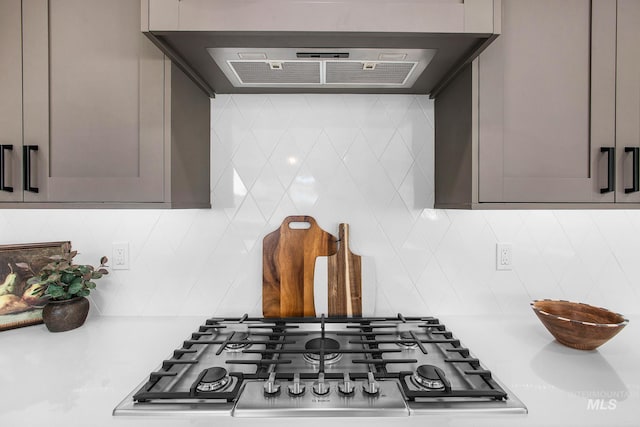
<point>369,286</point>
<point>344,279</point>
<point>288,261</point>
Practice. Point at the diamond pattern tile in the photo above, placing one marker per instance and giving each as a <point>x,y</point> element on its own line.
<point>248,223</point>
<point>233,127</point>
<point>395,107</point>
<point>367,160</point>
<point>434,287</point>
<point>396,160</point>
<point>287,157</point>
<point>323,160</point>
<point>303,190</point>
<point>248,160</point>
<point>340,138</point>
<point>368,174</point>
<point>249,106</point>
<point>509,292</point>
<point>267,191</point>
<point>268,128</point>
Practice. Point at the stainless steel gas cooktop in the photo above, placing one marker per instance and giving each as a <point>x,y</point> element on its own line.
<point>299,367</point>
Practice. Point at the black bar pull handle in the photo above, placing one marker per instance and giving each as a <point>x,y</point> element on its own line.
<point>635,186</point>
<point>26,167</point>
<point>611,169</point>
<point>4,187</point>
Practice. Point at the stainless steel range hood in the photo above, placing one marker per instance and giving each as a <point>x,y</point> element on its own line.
<point>326,46</point>
<point>322,68</point>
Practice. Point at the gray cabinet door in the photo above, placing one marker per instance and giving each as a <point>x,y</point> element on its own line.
<point>35,97</point>
<point>535,91</point>
<point>11,98</point>
<point>102,124</point>
<point>627,95</point>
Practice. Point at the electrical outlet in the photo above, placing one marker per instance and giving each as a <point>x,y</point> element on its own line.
<point>504,256</point>
<point>120,259</point>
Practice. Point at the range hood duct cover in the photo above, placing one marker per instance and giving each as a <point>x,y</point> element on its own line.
<point>452,32</point>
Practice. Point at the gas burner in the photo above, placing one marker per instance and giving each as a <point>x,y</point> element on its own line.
<point>213,379</point>
<point>428,377</point>
<point>308,367</point>
<point>329,344</point>
<point>240,342</point>
<point>406,335</point>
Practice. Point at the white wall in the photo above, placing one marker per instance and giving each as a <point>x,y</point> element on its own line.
<point>365,160</point>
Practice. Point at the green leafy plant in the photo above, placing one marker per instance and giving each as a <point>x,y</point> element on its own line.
<point>61,279</point>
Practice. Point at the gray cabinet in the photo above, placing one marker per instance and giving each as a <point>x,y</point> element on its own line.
<point>534,118</point>
<point>628,99</point>
<point>10,100</point>
<point>114,122</point>
<point>539,111</point>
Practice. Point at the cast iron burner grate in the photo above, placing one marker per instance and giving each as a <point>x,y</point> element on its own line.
<point>415,358</point>
<point>325,348</point>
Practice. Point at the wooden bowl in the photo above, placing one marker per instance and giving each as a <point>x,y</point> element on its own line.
<point>578,325</point>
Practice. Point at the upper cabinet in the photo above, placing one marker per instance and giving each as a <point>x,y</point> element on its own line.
<point>547,116</point>
<point>628,100</point>
<point>10,100</point>
<point>103,118</point>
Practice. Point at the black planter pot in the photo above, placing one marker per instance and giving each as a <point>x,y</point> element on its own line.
<point>60,316</point>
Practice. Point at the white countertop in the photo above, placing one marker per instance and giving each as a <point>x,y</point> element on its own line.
<point>76,378</point>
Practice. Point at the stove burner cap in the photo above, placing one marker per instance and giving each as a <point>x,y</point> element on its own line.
<point>426,376</point>
<point>316,343</point>
<point>406,335</point>
<point>329,345</point>
<point>240,341</point>
<point>214,379</point>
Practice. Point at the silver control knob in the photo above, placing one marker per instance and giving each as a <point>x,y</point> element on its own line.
<point>271,388</point>
<point>346,386</point>
<point>371,387</point>
<point>296,389</point>
<point>320,387</point>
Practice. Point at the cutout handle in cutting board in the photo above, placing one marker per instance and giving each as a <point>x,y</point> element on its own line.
<point>345,279</point>
<point>288,261</point>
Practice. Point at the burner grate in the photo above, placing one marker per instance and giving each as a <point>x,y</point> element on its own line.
<point>370,346</point>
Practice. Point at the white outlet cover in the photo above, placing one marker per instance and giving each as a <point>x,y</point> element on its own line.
<point>120,256</point>
<point>504,256</point>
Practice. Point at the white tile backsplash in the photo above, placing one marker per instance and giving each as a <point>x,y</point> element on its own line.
<point>366,160</point>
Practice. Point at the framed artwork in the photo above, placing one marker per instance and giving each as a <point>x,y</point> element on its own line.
<point>19,306</point>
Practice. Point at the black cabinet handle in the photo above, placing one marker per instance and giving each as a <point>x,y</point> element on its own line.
<point>4,187</point>
<point>26,167</point>
<point>636,169</point>
<point>611,169</point>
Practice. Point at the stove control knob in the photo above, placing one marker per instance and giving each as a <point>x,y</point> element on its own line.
<point>296,389</point>
<point>271,388</point>
<point>320,387</point>
<point>372,388</point>
<point>346,386</point>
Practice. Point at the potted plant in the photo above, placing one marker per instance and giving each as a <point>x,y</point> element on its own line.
<point>65,286</point>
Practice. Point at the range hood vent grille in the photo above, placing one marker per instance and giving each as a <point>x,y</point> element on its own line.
<point>357,68</point>
<point>290,72</point>
<point>387,73</point>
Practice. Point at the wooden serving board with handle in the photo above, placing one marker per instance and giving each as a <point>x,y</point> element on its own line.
<point>288,262</point>
<point>344,279</point>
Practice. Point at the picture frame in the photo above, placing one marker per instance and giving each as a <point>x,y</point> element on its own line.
<point>18,306</point>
